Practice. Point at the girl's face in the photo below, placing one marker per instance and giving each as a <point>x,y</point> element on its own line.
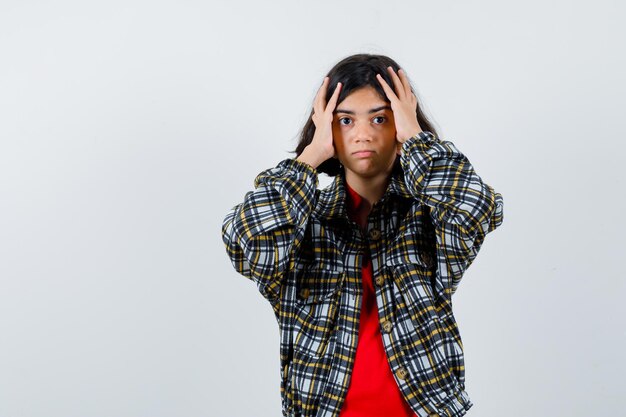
<point>364,135</point>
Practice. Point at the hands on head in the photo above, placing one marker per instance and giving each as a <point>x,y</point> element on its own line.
<point>321,147</point>
<point>403,104</point>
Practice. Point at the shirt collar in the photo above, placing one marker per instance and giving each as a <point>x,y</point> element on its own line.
<point>332,204</point>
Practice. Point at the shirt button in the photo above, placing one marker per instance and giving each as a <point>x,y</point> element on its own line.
<point>402,373</point>
<point>380,280</point>
<point>374,234</point>
<point>387,326</point>
<point>304,293</point>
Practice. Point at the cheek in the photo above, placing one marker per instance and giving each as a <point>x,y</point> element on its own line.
<point>335,130</point>
<point>338,136</point>
<point>390,129</point>
<point>392,146</point>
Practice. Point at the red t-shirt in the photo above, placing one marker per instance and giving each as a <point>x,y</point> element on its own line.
<point>373,391</point>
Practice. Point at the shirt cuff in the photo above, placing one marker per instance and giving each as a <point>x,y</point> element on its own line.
<point>425,137</point>
<point>298,166</point>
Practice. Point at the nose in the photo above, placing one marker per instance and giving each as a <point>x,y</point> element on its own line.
<point>362,132</point>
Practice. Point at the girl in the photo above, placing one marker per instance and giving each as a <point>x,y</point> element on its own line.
<point>360,274</point>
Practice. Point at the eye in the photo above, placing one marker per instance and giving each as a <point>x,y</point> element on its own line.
<point>344,121</point>
<point>379,120</point>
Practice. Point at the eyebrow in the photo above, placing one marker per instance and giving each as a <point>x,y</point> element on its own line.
<point>374,110</point>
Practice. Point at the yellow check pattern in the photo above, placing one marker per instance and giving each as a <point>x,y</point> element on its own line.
<point>297,244</point>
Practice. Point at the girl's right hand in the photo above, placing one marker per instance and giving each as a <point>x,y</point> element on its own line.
<point>321,147</point>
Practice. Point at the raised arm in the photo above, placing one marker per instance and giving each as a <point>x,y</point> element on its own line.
<point>463,208</point>
<point>263,233</point>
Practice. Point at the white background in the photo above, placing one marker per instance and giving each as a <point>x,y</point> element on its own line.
<point>129,129</point>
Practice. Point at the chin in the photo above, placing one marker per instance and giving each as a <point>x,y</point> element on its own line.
<point>370,170</point>
<point>368,173</point>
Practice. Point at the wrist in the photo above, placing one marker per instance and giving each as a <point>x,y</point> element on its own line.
<point>411,133</point>
<point>311,157</point>
<point>408,131</point>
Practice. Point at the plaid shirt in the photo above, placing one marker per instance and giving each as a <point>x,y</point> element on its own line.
<point>305,256</point>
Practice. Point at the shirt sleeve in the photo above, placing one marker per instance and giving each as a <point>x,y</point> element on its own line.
<point>262,233</point>
<point>463,207</point>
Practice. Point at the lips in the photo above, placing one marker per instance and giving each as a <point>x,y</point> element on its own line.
<point>362,153</point>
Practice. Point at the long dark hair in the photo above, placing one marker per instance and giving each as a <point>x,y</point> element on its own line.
<point>354,72</point>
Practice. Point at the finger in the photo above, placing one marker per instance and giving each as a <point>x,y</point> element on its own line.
<point>333,99</point>
<point>388,91</point>
<point>405,82</point>
<point>397,83</point>
<point>318,102</point>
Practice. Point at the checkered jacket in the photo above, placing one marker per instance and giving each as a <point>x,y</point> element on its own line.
<point>297,244</point>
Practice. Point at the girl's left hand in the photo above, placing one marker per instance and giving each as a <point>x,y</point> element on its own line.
<point>403,104</point>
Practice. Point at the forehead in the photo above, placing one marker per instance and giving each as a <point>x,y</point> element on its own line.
<point>364,98</point>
